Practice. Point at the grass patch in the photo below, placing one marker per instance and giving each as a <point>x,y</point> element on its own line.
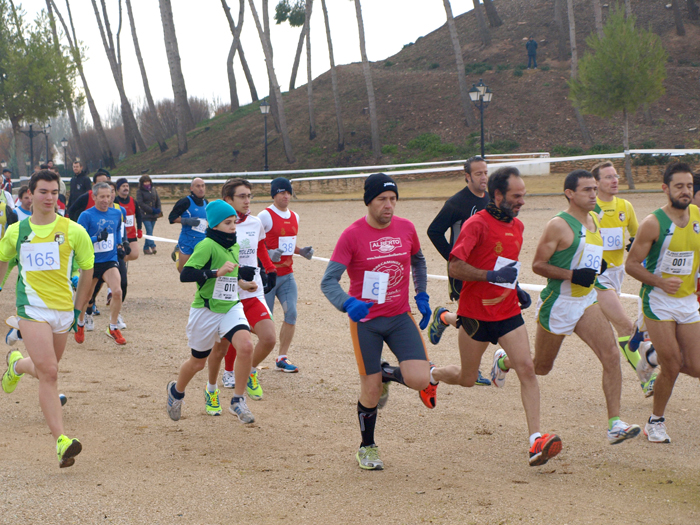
<point>477,68</point>
<point>390,149</point>
<point>433,65</point>
<point>431,145</point>
<point>545,68</point>
<point>517,72</point>
<point>502,67</point>
<point>567,151</point>
<point>388,63</point>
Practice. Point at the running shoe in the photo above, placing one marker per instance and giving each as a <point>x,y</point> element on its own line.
<point>498,376</point>
<point>368,458</point>
<point>648,387</point>
<point>175,256</point>
<point>253,387</point>
<point>384,398</point>
<point>66,450</point>
<point>644,369</point>
<point>429,394</point>
<point>544,449</point>
<point>95,311</point>
<point>79,334</point>
<point>621,431</point>
<point>285,366</point>
<point>656,431</point>
<point>63,399</point>
<point>629,353</point>
<point>89,323</point>
<point>482,381</point>
<point>117,336</point>
<point>212,401</point>
<point>240,408</point>
<point>120,322</point>
<point>10,378</point>
<point>109,297</point>
<point>174,406</point>
<point>229,379</point>
<point>12,337</point>
<point>436,326</point>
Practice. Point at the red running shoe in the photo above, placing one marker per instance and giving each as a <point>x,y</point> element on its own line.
<point>79,334</point>
<point>544,449</point>
<point>117,336</point>
<point>428,395</point>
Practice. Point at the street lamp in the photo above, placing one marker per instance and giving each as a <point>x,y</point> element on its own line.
<point>47,130</point>
<point>480,94</point>
<point>265,109</point>
<point>3,164</point>
<point>31,134</point>
<point>64,144</point>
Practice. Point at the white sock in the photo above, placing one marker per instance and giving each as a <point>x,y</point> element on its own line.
<point>81,323</point>
<point>654,418</point>
<point>113,326</point>
<point>253,370</point>
<point>211,388</point>
<point>109,290</point>
<point>432,379</point>
<point>533,437</point>
<point>279,358</point>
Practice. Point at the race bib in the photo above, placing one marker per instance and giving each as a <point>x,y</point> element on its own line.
<point>201,227</point>
<point>500,263</point>
<point>40,257</point>
<point>592,257</point>
<point>287,244</point>
<point>677,263</point>
<point>374,286</point>
<point>226,289</point>
<point>104,246</point>
<point>129,221</point>
<point>612,238</point>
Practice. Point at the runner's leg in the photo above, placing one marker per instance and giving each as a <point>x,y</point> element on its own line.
<point>113,280</point>
<point>668,354</point>
<point>466,374</point>
<point>547,347</point>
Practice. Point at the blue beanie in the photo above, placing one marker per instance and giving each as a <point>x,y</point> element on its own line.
<point>217,211</point>
<point>280,184</point>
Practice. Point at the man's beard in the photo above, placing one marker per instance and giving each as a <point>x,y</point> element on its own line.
<point>508,210</point>
<point>678,204</point>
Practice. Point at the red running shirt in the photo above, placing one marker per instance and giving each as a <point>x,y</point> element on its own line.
<point>284,228</point>
<point>364,248</point>
<point>130,218</point>
<point>481,242</point>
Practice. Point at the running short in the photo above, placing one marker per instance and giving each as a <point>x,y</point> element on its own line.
<point>489,331</point>
<point>131,241</point>
<point>399,332</point>
<point>286,291</point>
<point>100,268</point>
<point>659,306</point>
<point>206,328</point>
<point>560,314</point>
<point>59,321</point>
<point>611,279</point>
<point>186,246</point>
<point>256,310</point>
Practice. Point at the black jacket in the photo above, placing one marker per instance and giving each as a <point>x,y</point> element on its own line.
<point>79,185</point>
<point>147,201</point>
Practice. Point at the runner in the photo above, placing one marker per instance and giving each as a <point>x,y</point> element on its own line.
<point>133,221</point>
<point>191,212</point>
<point>104,225</point>
<point>86,200</point>
<point>570,256</point>
<point>378,251</point>
<point>485,260</point>
<point>458,208</point>
<point>216,316</point>
<point>7,218</point>
<point>251,240</point>
<point>281,229</point>
<point>665,258</point>
<point>23,207</point>
<point>46,244</point>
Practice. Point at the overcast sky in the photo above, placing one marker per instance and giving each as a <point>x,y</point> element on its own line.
<point>204,39</point>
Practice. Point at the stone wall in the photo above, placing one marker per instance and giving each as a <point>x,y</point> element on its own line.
<point>639,173</point>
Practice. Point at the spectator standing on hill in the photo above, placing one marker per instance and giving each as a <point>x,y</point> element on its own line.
<point>531,46</point>
<point>80,183</point>
<point>149,202</point>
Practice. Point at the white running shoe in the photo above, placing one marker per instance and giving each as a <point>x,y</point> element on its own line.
<point>12,337</point>
<point>644,369</point>
<point>89,323</point>
<point>656,431</point>
<point>621,431</point>
<point>120,323</point>
<point>498,376</point>
<point>229,379</point>
<point>239,408</point>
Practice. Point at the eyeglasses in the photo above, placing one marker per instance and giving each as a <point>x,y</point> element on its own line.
<point>244,196</point>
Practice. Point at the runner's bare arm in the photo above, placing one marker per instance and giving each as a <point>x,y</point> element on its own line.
<point>556,236</point>
<point>3,270</point>
<point>647,235</point>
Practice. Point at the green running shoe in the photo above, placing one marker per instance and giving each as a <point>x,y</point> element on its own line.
<point>67,449</point>
<point>436,327</point>
<point>368,458</point>
<point>648,387</point>
<point>253,387</point>
<point>10,378</point>
<point>212,401</point>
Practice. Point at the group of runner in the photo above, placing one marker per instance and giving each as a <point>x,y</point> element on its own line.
<point>241,263</point>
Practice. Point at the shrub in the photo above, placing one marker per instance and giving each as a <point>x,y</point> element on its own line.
<point>600,149</point>
<point>648,144</point>
<point>433,65</point>
<point>477,68</point>
<point>517,72</point>
<point>544,68</point>
<point>502,67</point>
<point>501,146</point>
<point>389,149</point>
<point>567,151</point>
<point>388,63</point>
<point>521,67</point>
<point>431,145</point>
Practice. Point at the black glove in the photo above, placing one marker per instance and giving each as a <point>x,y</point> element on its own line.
<point>271,282</point>
<point>603,266</point>
<point>523,297</point>
<point>191,221</point>
<point>506,275</point>
<point>583,277</point>
<point>127,247</point>
<point>120,252</point>
<point>247,273</point>
<point>629,244</point>
<point>102,235</point>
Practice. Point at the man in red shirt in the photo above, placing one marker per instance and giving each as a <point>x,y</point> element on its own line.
<point>380,252</point>
<point>485,258</point>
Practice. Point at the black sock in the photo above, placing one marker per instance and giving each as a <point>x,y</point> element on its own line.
<point>175,393</point>
<point>368,420</point>
<point>392,373</point>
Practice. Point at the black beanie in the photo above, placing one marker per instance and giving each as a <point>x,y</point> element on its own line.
<point>101,171</point>
<point>280,184</point>
<point>121,181</point>
<point>378,183</point>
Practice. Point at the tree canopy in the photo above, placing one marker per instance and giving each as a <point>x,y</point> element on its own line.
<point>295,12</point>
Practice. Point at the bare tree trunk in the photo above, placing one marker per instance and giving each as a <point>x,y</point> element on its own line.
<point>276,92</point>
<point>247,73</point>
<point>297,57</point>
<point>185,121</point>
<point>374,122</point>
<point>105,150</point>
<point>67,99</point>
<point>680,28</point>
<point>459,61</point>
<point>626,147</point>
<point>236,32</point>
<point>598,13</point>
<point>241,54</point>
<point>693,11</point>
<point>481,23</point>
<point>309,83</point>
<point>274,111</point>
<point>559,21</point>
<point>334,81</point>
<point>574,70</point>
<point>648,120</point>
<point>159,130</point>
<point>628,8</point>
<point>492,14</point>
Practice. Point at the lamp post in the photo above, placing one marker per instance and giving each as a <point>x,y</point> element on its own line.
<point>480,94</point>
<point>64,144</point>
<point>31,134</point>
<point>265,109</point>
<point>46,131</point>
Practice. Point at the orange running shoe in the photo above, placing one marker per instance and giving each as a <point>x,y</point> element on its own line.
<point>428,395</point>
<point>117,336</point>
<point>545,448</point>
<point>79,334</point>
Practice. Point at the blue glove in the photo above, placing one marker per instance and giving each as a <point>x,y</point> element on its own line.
<point>356,309</point>
<point>74,282</point>
<point>523,297</point>
<point>506,275</point>
<point>155,211</point>
<point>423,302</point>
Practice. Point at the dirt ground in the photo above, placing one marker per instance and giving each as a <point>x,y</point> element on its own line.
<point>464,462</point>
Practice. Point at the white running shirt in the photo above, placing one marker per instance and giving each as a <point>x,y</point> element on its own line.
<point>248,234</point>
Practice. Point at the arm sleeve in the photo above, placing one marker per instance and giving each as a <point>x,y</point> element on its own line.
<point>436,231</point>
<point>419,269</point>
<point>10,200</point>
<point>330,285</point>
<point>84,221</point>
<point>78,207</point>
<point>194,275</point>
<point>633,225</point>
<point>266,220</point>
<point>139,217</point>
<point>157,198</point>
<point>11,216</point>
<point>141,204</point>
<point>82,246</point>
<point>180,207</point>
<point>8,244</point>
<point>264,257</point>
